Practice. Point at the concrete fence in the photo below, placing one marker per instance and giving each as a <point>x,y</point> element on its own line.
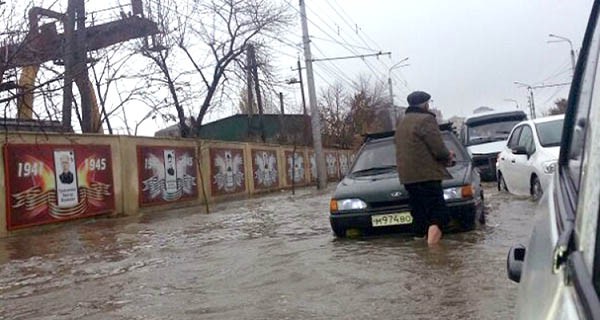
<point>51,178</point>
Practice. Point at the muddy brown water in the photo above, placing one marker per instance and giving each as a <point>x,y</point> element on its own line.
<point>266,258</point>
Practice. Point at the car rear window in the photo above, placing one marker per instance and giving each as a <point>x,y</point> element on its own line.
<point>550,133</point>
<point>376,154</point>
<point>381,154</point>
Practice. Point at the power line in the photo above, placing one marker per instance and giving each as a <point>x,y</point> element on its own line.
<point>344,11</point>
<point>349,24</point>
<point>318,26</point>
<point>343,43</point>
<point>340,71</point>
<point>553,95</point>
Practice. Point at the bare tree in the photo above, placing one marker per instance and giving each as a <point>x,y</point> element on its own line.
<point>349,113</point>
<point>230,26</point>
<point>119,86</point>
<point>161,51</point>
<point>334,109</point>
<point>267,81</point>
<point>369,109</point>
<point>560,107</point>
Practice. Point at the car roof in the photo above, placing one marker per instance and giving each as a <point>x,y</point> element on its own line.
<point>542,120</point>
<point>487,116</point>
<point>389,135</point>
<point>444,127</point>
<point>548,118</point>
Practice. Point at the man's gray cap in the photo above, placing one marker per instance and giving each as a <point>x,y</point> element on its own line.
<point>417,97</point>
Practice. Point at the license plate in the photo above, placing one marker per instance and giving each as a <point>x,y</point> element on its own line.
<point>391,219</point>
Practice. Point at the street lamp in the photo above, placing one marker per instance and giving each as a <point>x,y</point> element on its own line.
<point>563,39</point>
<point>294,81</point>
<point>531,101</point>
<point>513,100</point>
<point>396,65</point>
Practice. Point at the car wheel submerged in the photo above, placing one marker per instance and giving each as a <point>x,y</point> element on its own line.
<point>536,189</point>
<point>338,231</point>
<point>501,183</point>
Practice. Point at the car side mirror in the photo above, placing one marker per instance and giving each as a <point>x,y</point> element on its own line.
<point>514,262</point>
<point>519,150</point>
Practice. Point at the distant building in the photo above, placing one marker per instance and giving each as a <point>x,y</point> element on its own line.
<point>457,122</point>
<point>172,131</point>
<point>286,129</point>
<point>483,109</point>
<point>11,124</point>
<point>438,115</point>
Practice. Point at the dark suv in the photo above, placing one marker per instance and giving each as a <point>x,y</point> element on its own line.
<point>371,198</point>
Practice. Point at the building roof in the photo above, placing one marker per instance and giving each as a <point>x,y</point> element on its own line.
<point>242,127</point>
<point>11,124</point>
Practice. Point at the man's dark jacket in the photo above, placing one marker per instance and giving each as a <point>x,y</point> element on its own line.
<point>421,154</point>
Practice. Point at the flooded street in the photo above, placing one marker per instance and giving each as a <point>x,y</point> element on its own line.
<point>272,257</point>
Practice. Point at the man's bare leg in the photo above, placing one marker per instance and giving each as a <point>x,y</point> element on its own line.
<point>434,234</point>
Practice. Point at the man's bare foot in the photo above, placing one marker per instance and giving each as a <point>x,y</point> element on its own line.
<point>434,234</point>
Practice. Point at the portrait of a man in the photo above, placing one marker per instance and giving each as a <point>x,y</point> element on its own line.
<point>170,165</point>
<point>66,176</point>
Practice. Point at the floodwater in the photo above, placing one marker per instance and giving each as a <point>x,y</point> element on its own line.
<point>272,257</point>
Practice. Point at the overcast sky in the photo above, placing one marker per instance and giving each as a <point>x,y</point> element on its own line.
<point>466,53</point>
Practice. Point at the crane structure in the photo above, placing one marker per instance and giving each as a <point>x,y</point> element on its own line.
<point>43,43</point>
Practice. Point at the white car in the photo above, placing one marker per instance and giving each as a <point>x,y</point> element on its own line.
<point>526,164</point>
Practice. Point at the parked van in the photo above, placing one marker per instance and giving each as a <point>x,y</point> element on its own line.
<point>559,269</point>
<point>485,135</point>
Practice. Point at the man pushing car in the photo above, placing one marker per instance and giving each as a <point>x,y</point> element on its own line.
<point>422,158</point>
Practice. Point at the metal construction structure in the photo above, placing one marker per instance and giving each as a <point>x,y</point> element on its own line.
<point>43,43</point>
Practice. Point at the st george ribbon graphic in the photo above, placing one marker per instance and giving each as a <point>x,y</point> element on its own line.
<point>49,183</point>
<point>166,174</point>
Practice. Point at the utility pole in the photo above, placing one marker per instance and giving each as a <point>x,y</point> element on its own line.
<point>394,114</point>
<point>530,100</point>
<point>572,52</point>
<point>305,120</point>
<point>530,89</point>
<point>531,103</point>
<point>281,104</point>
<point>250,94</point>
<point>301,88</point>
<point>312,96</point>
<point>258,95</point>
<point>69,26</point>
<point>282,130</point>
